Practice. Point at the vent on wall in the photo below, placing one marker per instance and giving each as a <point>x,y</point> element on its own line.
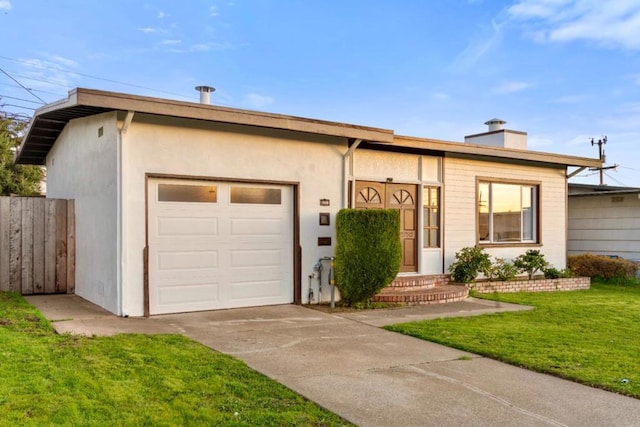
<point>617,199</point>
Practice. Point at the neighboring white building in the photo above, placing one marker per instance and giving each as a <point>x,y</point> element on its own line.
<point>183,206</point>
<point>604,220</point>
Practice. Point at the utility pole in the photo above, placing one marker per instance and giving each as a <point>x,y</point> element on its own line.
<point>602,157</point>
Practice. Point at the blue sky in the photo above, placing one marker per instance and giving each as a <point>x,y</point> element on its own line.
<point>564,71</point>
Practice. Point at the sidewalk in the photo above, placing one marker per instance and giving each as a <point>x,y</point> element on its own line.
<point>371,376</point>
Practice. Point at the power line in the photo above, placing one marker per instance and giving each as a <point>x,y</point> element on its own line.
<point>54,82</point>
<point>35,90</point>
<point>17,106</point>
<point>615,180</point>
<point>22,86</point>
<point>18,99</point>
<point>50,67</point>
<point>631,169</point>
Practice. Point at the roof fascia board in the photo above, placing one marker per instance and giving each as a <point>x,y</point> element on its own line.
<point>488,151</point>
<point>605,193</point>
<point>157,106</point>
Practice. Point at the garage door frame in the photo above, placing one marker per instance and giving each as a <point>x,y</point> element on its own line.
<point>297,250</point>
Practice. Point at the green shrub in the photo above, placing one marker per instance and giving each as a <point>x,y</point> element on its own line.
<point>530,262</point>
<point>554,273</point>
<point>469,263</point>
<point>602,267</point>
<point>502,270</point>
<point>368,252</point>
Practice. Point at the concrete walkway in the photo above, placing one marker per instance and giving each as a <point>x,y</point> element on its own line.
<point>370,376</point>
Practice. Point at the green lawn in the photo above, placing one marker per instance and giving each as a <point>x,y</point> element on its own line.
<point>592,337</point>
<point>132,380</point>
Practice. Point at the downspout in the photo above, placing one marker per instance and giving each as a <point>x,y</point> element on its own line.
<point>347,171</point>
<point>121,228</point>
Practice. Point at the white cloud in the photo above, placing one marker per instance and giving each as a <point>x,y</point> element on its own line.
<point>511,87</point>
<point>148,30</point>
<point>161,15</point>
<point>170,42</point>
<point>65,62</point>
<point>50,74</point>
<point>213,11</point>
<point>256,100</point>
<point>200,47</point>
<point>5,5</point>
<point>580,139</point>
<point>478,48</point>
<point>440,96</point>
<point>571,99</point>
<point>611,23</point>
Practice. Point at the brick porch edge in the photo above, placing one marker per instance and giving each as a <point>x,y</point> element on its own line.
<point>536,285</point>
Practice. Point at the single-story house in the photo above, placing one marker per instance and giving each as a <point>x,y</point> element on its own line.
<point>604,220</point>
<point>183,206</point>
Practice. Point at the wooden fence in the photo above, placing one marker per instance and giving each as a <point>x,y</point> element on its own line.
<point>37,245</point>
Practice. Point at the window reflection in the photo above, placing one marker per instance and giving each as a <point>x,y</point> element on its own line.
<point>506,212</point>
<point>187,193</point>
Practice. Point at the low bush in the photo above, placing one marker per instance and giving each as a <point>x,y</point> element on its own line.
<point>368,252</point>
<point>530,262</point>
<point>502,270</point>
<point>554,273</point>
<point>470,262</point>
<point>602,267</point>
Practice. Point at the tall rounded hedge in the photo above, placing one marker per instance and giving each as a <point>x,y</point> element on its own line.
<point>368,252</point>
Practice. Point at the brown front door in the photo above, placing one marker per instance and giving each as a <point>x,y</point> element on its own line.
<point>402,197</point>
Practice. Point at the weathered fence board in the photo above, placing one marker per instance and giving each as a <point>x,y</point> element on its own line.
<point>50,247</point>
<point>5,227</point>
<point>15,246</point>
<point>38,248</point>
<point>37,245</point>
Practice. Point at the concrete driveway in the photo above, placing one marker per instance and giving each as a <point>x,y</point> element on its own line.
<point>370,376</point>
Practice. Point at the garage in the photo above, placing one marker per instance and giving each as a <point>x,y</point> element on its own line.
<point>215,245</point>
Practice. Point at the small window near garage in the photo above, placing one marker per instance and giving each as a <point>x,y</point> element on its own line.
<point>431,217</point>
<point>256,195</point>
<point>187,193</point>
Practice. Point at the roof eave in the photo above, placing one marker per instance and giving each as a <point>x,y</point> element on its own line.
<point>461,148</point>
<point>102,101</point>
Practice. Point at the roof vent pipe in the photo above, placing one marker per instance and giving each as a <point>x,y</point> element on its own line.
<point>205,94</point>
<point>495,124</point>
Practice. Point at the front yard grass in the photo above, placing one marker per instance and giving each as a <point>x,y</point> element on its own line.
<point>592,337</point>
<point>132,380</point>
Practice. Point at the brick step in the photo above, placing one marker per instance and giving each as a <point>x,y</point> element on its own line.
<point>437,295</point>
<point>411,283</point>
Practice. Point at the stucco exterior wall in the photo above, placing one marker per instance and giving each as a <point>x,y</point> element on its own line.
<point>82,165</point>
<point>460,207</point>
<point>190,148</point>
<point>605,225</point>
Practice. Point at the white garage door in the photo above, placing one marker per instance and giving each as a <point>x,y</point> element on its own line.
<point>218,245</point>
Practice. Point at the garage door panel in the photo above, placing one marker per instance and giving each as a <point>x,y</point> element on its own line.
<point>205,256</point>
<point>256,258</point>
<point>200,293</point>
<point>187,260</point>
<point>256,227</point>
<point>186,226</point>
<point>259,289</point>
